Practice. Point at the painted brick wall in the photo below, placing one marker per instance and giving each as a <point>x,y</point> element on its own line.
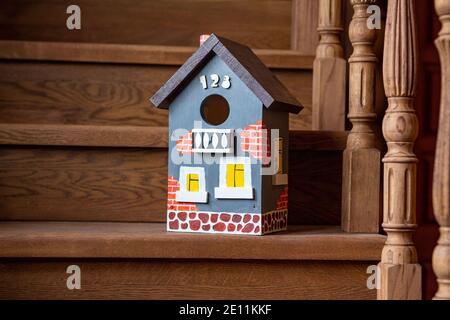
<point>172,187</point>
<point>255,140</point>
<point>227,223</point>
<point>282,202</point>
<point>184,144</point>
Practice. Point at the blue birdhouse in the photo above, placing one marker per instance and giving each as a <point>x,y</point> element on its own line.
<point>228,146</point>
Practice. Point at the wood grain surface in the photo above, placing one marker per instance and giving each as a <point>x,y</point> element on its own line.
<point>155,22</point>
<point>133,54</point>
<point>105,94</point>
<point>83,184</point>
<point>139,136</point>
<point>151,240</point>
<point>83,135</point>
<point>305,19</point>
<point>185,279</point>
<point>129,184</point>
<point>315,181</point>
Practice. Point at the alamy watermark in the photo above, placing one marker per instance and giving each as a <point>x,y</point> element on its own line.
<point>374,280</point>
<point>74,280</point>
<point>374,20</point>
<point>73,21</point>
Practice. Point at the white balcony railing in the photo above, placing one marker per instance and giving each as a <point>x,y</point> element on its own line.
<point>213,141</point>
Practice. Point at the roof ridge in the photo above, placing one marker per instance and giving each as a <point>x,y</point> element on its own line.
<point>243,62</point>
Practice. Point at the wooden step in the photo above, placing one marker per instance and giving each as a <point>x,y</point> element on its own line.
<point>143,261</point>
<point>133,54</point>
<point>186,279</point>
<point>119,173</point>
<point>110,84</point>
<point>157,22</point>
<point>138,136</point>
<point>150,240</point>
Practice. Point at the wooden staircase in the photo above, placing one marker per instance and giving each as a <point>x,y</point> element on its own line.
<point>83,158</point>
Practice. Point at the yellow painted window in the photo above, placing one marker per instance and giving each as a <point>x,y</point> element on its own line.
<point>192,182</point>
<point>235,175</point>
<point>280,155</point>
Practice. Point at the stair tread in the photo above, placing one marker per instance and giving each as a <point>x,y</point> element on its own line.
<point>150,240</point>
<point>138,136</point>
<point>133,53</point>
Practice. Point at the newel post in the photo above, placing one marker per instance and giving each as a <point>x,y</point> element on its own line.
<point>329,75</point>
<point>400,273</point>
<point>441,180</point>
<point>361,188</point>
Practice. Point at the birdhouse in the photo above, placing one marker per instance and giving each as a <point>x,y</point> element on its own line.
<point>228,142</point>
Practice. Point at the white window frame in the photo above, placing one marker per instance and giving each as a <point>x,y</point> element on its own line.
<point>224,192</point>
<point>201,196</point>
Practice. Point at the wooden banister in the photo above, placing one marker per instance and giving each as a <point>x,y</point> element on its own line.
<point>329,75</point>
<point>441,180</point>
<point>400,273</point>
<point>362,160</point>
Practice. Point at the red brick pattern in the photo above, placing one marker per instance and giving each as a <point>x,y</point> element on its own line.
<point>172,187</point>
<point>282,202</point>
<point>184,144</point>
<point>255,139</point>
<point>214,222</point>
<point>274,221</point>
<point>227,223</point>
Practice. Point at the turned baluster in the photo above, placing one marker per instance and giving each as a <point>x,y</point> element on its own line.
<point>441,180</point>
<point>362,160</point>
<point>400,273</point>
<point>329,76</point>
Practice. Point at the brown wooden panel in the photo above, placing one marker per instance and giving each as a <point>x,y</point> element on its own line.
<point>150,240</point>
<point>105,94</point>
<point>305,20</point>
<point>139,136</point>
<point>174,22</point>
<point>317,140</point>
<point>300,85</point>
<point>315,182</point>
<point>83,135</point>
<point>81,93</point>
<point>114,184</point>
<point>133,54</point>
<point>185,279</point>
<point>83,184</point>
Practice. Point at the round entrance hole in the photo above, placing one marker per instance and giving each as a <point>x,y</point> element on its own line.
<point>215,109</point>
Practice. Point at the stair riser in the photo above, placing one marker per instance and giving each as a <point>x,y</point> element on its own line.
<point>130,184</point>
<point>184,279</point>
<point>105,94</point>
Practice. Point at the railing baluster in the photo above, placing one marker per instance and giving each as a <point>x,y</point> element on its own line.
<point>328,111</point>
<point>361,190</point>
<point>400,272</point>
<point>441,180</point>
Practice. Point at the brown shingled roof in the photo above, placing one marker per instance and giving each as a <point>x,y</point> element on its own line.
<point>243,62</point>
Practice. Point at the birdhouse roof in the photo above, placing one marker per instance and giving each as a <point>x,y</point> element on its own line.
<point>243,62</point>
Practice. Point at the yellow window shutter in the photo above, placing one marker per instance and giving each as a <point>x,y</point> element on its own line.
<point>235,176</point>
<point>192,182</point>
<point>280,155</point>
<point>239,176</point>
<point>230,175</point>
